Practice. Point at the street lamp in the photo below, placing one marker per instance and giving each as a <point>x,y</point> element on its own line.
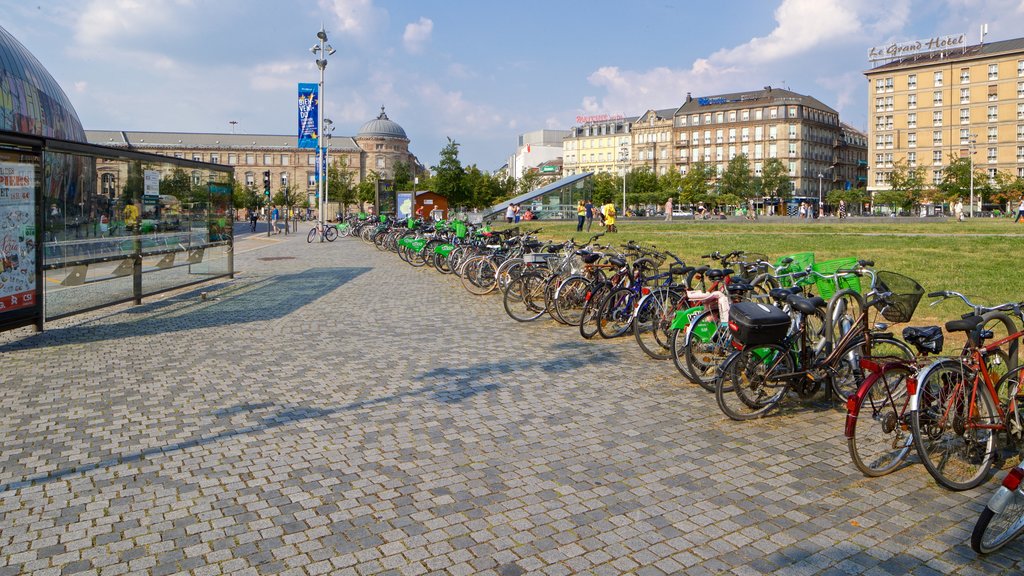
<point>327,135</point>
<point>322,50</point>
<point>624,159</point>
<point>973,141</point>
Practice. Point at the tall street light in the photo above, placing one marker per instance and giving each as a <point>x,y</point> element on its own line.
<point>624,159</point>
<point>327,135</point>
<point>974,142</point>
<point>321,50</point>
<point>821,176</point>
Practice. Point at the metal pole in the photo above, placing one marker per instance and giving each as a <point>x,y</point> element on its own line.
<point>820,176</point>
<point>970,211</point>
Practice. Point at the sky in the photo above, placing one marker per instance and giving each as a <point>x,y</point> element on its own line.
<point>476,71</point>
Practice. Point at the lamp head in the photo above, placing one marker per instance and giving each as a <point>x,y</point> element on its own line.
<point>315,48</point>
<point>330,50</point>
<point>322,34</point>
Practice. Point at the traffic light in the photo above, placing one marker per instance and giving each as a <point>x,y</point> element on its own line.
<point>266,182</point>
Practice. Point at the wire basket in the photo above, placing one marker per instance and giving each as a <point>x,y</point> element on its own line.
<point>801,261</point>
<point>827,287</point>
<point>748,266</point>
<point>906,294</point>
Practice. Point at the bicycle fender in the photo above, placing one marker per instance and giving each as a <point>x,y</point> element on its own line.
<point>1002,498</point>
<point>683,317</point>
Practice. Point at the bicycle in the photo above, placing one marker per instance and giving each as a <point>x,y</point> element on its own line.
<point>323,231</point>
<point>1002,518</point>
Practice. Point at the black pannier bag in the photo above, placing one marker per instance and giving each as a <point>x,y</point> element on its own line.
<point>754,323</point>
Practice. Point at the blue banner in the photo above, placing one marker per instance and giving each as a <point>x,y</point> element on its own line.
<point>309,104</point>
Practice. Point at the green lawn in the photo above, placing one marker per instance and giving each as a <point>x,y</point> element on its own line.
<point>981,259</point>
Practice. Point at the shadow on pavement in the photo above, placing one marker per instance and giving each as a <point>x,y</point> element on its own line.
<point>270,299</point>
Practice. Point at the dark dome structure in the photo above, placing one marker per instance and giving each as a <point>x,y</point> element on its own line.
<point>31,101</point>
<point>382,127</point>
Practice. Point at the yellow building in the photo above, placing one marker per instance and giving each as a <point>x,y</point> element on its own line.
<point>598,144</point>
<point>652,141</point>
<point>928,108</point>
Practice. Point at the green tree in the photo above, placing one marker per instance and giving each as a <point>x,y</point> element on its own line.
<point>403,176</point>
<point>670,185</point>
<point>528,182</point>
<point>737,179</point>
<point>341,184</point>
<point>606,188</point>
<point>449,175</point>
<point>696,183</point>
<point>774,181</point>
<point>854,197</point>
<point>366,192</point>
<point>642,186</point>
<point>906,186</point>
<point>1009,188</point>
<point>956,181</point>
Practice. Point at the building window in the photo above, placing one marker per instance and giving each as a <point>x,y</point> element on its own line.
<point>993,134</point>
<point>938,78</point>
<point>268,159</point>
<point>773,113</point>
<point>889,85</point>
<point>912,82</point>
<point>1020,67</point>
<point>889,103</point>
<point>936,177</point>
<point>232,159</point>
<point>196,175</point>
<point>732,116</point>
<point>758,114</point>
<point>1020,111</point>
<point>214,158</point>
<point>965,95</point>
<point>1020,132</point>
<point>310,159</point>
<point>1020,89</point>
<point>250,159</point>
<point>912,139</point>
<point>695,120</point>
<point>285,159</point>
<point>879,85</point>
<point>937,97</point>
<point>991,154</point>
<point>912,120</point>
<point>937,157</point>
<point>745,115</point>
<point>965,75</point>
<point>179,155</point>
<point>1020,153</point>
<point>912,101</point>
<point>965,136</point>
<point>965,116</point>
<point>732,134</point>
<point>311,179</point>
<point>993,71</point>
<point>993,93</point>
<point>197,157</point>
<point>993,113</point>
<point>792,169</point>
<point>284,179</point>
<point>937,118</point>
<point>937,137</point>
<point>250,179</point>
<point>912,159</point>
<point>718,136</point>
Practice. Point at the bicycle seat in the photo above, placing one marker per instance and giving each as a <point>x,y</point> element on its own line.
<point>965,324</point>
<point>589,257</point>
<point>779,293</point>
<point>617,261</point>
<point>801,304</point>
<point>553,249</point>
<point>680,270</point>
<point>532,244</point>
<point>701,269</point>
<point>716,274</point>
<point>818,301</point>
<point>739,288</point>
<point>927,339</point>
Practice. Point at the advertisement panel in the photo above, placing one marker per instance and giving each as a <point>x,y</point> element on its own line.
<point>404,208</point>
<point>309,104</point>
<point>18,288</point>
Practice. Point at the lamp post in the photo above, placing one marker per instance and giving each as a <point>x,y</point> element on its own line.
<point>821,176</point>
<point>327,135</point>
<point>624,159</point>
<point>974,142</point>
<point>322,50</point>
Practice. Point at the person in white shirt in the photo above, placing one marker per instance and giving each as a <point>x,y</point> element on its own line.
<point>510,213</point>
<point>1020,210</point>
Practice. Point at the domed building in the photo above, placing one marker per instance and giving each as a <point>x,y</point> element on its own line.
<point>31,101</point>
<point>383,143</point>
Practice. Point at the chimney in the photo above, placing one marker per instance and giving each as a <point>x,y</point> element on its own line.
<point>689,98</point>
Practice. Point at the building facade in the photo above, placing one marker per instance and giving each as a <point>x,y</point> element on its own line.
<point>930,108</point>
<point>651,141</point>
<point>536,149</point>
<point>598,144</point>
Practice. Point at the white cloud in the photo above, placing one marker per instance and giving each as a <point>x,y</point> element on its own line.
<point>356,19</point>
<point>103,22</point>
<point>802,25</point>
<point>417,34</point>
<point>81,86</point>
<point>457,116</point>
<point>271,76</point>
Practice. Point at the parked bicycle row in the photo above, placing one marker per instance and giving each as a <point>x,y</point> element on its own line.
<point>759,333</point>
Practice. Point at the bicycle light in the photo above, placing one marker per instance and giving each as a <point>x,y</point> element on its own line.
<point>1013,478</point>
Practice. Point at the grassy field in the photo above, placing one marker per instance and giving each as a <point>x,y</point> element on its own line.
<point>981,259</point>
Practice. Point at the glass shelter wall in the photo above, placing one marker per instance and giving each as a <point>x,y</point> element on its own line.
<point>118,225</point>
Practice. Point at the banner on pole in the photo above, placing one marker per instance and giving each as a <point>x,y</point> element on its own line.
<point>309,104</point>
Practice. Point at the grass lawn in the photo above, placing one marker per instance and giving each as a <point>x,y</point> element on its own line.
<point>981,259</point>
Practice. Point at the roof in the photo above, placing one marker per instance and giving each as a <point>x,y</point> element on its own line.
<point>735,100</point>
<point>969,52</point>
<point>382,127</point>
<point>500,208</point>
<point>186,140</point>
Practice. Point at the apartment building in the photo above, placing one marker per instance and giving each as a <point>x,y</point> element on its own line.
<point>598,143</point>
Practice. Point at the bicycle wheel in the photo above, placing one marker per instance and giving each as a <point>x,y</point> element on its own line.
<point>550,290</point>
<point>844,308</point>
<point>677,347</point>
<point>877,429</point>
<point>706,348</point>
<point>995,529</point>
<point>847,375</point>
<point>311,236</point>
<point>955,450</point>
<point>570,298</point>
<point>509,270</point>
<point>588,319</point>
<point>331,233</point>
<point>524,298</point>
<point>753,381</point>
<point>478,275</point>
<point>616,313</point>
<point>653,319</point>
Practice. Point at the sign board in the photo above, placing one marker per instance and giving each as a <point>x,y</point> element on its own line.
<point>902,49</point>
<point>309,105</point>
<point>151,183</point>
<point>18,254</point>
<point>404,205</point>
<point>549,168</point>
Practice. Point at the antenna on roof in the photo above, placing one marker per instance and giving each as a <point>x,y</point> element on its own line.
<point>984,32</point>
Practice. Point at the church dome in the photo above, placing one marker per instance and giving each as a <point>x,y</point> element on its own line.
<point>33,103</point>
<point>382,127</point>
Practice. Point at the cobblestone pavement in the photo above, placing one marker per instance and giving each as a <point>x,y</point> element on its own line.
<point>333,410</point>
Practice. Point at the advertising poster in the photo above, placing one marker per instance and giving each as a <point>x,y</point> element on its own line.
<point>17,236</point>
<point>309,104</point>
<point>404,205</point>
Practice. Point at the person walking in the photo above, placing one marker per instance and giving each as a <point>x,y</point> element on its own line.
<point>958,210</point>
<point>842,209</point>
<point>589,206</point>
<point>668,210</point>
<point>274,215</point>
<point>515,213</point>
<point>581,215</point>
<point>609,217</point>
<point>1020,211</point>
<point>254,217</point>
<point>510,213</point>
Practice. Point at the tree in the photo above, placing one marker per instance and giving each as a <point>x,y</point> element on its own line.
<point>737,178</point>
<point>606,188</point>
<point>528,182</point>
<point>775,180</point>
<point>1008,188</point>
<point>403,176</point>
<point>696,183</point>
<point>341,183</point>
<point>670,185</point>
<point>906,186</point>
<point>642,186</point>
<point>956,181</point>
<point>449,175</point>
<point>366,192</point>
<point>853,197</point>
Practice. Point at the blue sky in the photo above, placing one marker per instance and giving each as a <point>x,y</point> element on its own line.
<point>476,71</point>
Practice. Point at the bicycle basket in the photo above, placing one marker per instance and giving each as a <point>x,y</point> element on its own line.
<point>460,229</point>
<point>801,261</point>
<point>906,294</point>
<point>827,286</point>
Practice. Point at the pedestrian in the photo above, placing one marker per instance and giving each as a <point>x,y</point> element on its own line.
<point>803,210</point>
<point>608,211</point>
<point>581,215</point>
<point>590,213</point>
<point>274,215</point>
<point>842,209</point>
<point>515,213</point>
<point>254,217</point>
<point>510,212</point>
<point>1020,210</point>
<point>668,210</point>
<point>958,210</point>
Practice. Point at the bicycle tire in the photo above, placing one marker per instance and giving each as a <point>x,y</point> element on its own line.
<point>478,277</point>
<point>878,432</point>
<point>519,301</point>
<point>841,314</point>
<point>588,319</point>
<point>846,377</point>
<point>957,456</point>
<point>508,271</point>
<point>551,285</point>
<point>653,322</point>
<point>331,233</point>
<point>704,356</point>
<point>311,236</point>
<point>677,345</point>
<point>616,313</point>
<point>748,386</point>
<point>993,530</point>
<point>571,297</point>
